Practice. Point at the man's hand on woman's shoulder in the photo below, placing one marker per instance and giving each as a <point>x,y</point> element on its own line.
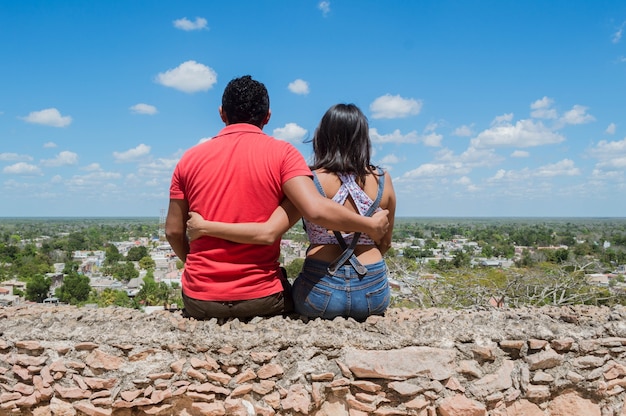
<point>380,225</point>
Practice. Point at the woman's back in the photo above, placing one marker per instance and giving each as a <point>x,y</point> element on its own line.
<point>369,252</point>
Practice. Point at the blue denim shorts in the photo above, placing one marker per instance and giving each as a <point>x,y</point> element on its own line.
<point>318,294</point>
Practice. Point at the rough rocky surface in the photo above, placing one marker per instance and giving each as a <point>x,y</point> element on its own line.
<point>62,360</point>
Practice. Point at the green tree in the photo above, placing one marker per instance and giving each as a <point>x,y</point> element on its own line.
<point>137,253</point>
<point>71,267</point>
<point>112,255</point>
<point>461,259</point>
<point>152,293</point>
<point>557,256</point>
<point>411,253</point>
<point>487,250</point>
<point>75,289</point>
<point>29,262</point>
<point>123,271</point>
<point>147,263</point>
<point>294,267</point>
<point>110,297</point>
<point>76,241</point>
<point>37,288</point>
<point>441,265</point>
<point>8,252</point>
<point>526,260</point>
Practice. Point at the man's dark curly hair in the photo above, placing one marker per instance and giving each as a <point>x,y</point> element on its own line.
<point>245,101</point>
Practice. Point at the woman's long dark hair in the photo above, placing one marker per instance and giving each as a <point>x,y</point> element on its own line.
<point>342,142</point>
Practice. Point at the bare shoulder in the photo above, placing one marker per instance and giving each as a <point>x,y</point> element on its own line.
<point>389,194</point>
<point>329,181</point>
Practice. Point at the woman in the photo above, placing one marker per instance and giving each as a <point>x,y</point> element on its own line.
<point>330,285</point>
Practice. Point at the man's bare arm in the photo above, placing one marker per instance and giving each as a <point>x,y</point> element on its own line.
<point>175,227</point>
<point>318,209</point>
<point>389,202</point>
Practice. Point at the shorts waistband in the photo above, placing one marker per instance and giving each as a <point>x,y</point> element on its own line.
<point>321,267</point>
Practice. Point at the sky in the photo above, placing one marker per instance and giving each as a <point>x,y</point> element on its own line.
<point>476,108</point>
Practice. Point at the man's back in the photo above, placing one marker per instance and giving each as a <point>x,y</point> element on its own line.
<point>235,177</point>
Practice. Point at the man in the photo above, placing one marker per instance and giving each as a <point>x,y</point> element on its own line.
<point>242,175</point>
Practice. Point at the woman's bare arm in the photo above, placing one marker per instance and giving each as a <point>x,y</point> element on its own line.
<point>264,233</point>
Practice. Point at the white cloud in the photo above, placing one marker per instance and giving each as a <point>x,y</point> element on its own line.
<point>510,175</point>
<point>10,157</point>
<point>22,168</point>
<point>389,160</point>
<point>611,129</point>
<point>617,36</point>
<point>448,164</point>
<point>563,168</point>
<point>542,109</point>
<point>524,133</point>
<point>15,185</point>
<point>614,163</point>
<point>64,158</point>
<point>132,155</point>
<point>88,180</point>
<point>92,167</point>
<point>159,167</point>
<point>607,148</point>
<point>49,145</point>
<point>503,119</point>
<point>395,137</point>
<point>520,153</point>
<point>500,174</point>
<point>577,115</point>
<point>48,117</point>
<point>299,86</point>
<point>463,131</point>
<point>204,139</point>
<point>142,108</point>
<point>604,175</point>
<point>56,179</point>
<point>471,158</point>
<point>432,140</point>
<point>324,6</point>
<point>610,154</point>
<point>463,180</point>
<point>188,25</point>
<point>436,169</point>
<point>394,106</point>
<point>290,133</point>
<point>190,77</point>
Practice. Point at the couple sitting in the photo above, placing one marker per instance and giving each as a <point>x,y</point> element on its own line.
<point>232,198</point>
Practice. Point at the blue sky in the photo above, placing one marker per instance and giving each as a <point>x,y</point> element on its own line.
<point>477,108</point>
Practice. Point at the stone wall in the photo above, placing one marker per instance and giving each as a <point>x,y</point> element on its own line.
<point>61,360</point>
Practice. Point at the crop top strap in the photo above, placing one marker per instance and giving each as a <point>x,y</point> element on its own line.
<point>379,195</point>
<point>318,185</point>
<point>348,250</point>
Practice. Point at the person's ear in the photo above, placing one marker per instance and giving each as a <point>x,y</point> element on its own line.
<point>267,118</point>
<point>223,115</point>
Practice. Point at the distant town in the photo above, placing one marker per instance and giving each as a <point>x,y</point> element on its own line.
<point>430,264</point>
